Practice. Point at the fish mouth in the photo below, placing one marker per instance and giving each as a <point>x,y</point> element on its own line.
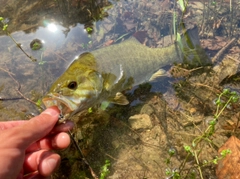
<point>65,104</point>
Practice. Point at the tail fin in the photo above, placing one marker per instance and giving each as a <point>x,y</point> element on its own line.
<point>192,53</point>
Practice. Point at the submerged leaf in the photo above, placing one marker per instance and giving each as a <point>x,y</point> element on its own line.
<point>140,36</point>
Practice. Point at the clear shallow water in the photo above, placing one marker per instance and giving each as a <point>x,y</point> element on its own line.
<point>60,46</point>
<point>110,135</point>
<point>63,39</point>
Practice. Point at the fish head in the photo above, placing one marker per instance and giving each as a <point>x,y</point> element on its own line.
<point>77,88</point>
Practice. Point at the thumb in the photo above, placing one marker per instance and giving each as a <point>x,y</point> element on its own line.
<point>37,127</point>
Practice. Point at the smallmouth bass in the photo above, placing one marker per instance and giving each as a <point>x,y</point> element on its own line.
<point>100,76</point>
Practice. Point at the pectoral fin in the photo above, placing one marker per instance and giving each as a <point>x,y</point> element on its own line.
<point>119,99</point>
<point>109,80</point>
<point>159,73</point>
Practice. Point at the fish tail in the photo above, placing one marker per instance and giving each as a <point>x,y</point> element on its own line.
<point>192,53</point>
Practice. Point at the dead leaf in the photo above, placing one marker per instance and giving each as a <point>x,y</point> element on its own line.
<point>229,166</point>
<point>140,36</point>
<point>129,24</point>
<point>214,44</point>
<point>109,42</point>
<point>232,123</point>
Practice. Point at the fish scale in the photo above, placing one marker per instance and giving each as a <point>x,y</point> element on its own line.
<point>137,60</point>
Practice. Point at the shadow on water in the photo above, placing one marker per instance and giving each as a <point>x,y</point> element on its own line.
<point>144,139</point>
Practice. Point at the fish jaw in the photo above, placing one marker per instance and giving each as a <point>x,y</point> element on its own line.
<point>66,104</point>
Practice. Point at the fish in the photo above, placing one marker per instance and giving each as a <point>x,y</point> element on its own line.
<point>101,75</point>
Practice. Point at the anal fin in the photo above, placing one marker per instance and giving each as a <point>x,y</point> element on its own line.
<point>158,74</point>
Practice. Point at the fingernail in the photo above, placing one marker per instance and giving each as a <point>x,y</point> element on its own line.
<point>69,125</point>
<point>52,163</point>
<point>52,111</point>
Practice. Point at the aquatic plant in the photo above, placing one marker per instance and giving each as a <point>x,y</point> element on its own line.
<point>36,44</point>
<point>89,30</point>
<point>223,101</point>
<point>104,169</point>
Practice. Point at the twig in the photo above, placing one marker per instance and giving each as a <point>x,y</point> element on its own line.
<point>211,88</point>
<point>203,23</point>
<point>19,88</point>
<point>6,71</point>
<point>198,165</point>
<point>111,156</point>
<point>83,158</point>
<point>6,99</point>
<point>19,46</point>
<point>215,58</point>
<point>236,60</point>
<point>60,57</point>
<point>5,26</point>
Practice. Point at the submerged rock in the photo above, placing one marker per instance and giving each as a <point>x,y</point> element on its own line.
<point>147,109</point>
<point>140,121</point>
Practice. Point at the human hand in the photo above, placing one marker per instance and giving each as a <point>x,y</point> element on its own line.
<point>25,146</point>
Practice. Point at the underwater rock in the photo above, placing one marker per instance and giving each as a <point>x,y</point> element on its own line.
<point>140,121</point>
<point>147,109</point>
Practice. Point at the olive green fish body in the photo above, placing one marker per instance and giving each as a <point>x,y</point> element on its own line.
<point>134,60</point>
<point>102,74</point>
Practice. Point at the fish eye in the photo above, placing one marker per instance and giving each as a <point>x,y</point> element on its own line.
<point>72,85</point>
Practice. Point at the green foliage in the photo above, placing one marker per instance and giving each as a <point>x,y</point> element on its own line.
<point>214,3</point>
<point>5,27</point>
<point>121,37</point>
<point>183,5</point>
<point>39,102</point>
<point>223,154</point>
<point>90,110</point>
<point>224,100</point>
<point>89,30</point>
<point>41,62</point>
<point>86,45</point>
<point>36,46</point>
<point>171,153</point>
<point>187,148</point>
<point>104,169</point>
<point>174,174</point>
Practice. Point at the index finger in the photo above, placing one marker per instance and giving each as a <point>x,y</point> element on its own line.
<point>39,126</point>
<point>32,130</point>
